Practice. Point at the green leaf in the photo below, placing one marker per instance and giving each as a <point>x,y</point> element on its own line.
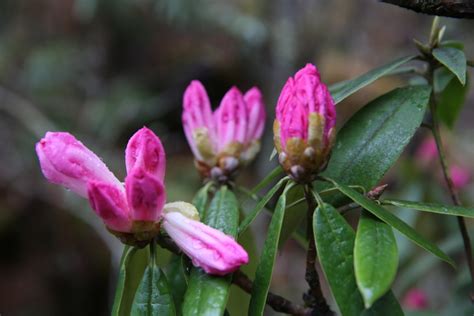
<point>263,275</point>
<point>335,243</point>
<point>153,297</point>
<point>373,139</point>
<point>269,178</point>
<point>387,306</point>
<point>441,78</point>
<point>453,59</point>
<point>375,258</point>
<point>342,90</point>
<point>393,221</point>
<point>451,101</point>
<point>452,43</point>
<point>260,205</point>
<point>206,294</point>
<point>132,266</point>
<point>176,275</point>
<point>200,199</point>
<point>432,207</point>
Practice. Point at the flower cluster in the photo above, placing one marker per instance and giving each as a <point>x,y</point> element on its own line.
<point>304,125</point>
<point>227,138</point>
<point>134,211</point>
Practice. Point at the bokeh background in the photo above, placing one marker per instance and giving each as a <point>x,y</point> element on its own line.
<point>101,69</point>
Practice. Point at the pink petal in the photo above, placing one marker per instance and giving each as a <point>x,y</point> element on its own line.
<point>212,250</point>
<point>256,113</point>
<point>66,161</point>
<point>461,176</point>
<point>295,123</point>
<point>415,299</point>
<point>146,195</point>
<point>231,119</point>
<point>110,205</point>
<point>196,102</point>
<point>145,151</point>
<point>428,151</point>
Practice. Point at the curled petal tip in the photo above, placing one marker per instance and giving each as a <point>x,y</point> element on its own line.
<point>145,151</point>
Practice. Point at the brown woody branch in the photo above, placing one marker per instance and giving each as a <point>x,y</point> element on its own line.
<point>462,9</point>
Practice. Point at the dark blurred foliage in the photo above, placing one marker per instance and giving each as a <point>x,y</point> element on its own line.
<point>102,69</point>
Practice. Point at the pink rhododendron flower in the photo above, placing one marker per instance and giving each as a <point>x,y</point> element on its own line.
<point>415,299</point>
<point>227,137</point>
<point>304,124</point>
<point>133,211</point>
<point>461,176</point>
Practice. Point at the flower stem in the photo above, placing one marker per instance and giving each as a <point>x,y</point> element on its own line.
<point>313,297</point>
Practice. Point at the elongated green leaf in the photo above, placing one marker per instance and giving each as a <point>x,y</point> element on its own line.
<point>387,306</point>
<point>200,199</point>
<point>176,276</point>
<point>342,90</point>
<point>132,266</point>
<point>269,178</point>
<point>153,297</point>
<point>375,258</point>
<point>393,221</point>
<point>263,275</point>
<point>335,243</point>
<point>453,59</point>
<point>260,205</point>
<point>451,101</point>
<point>373,139</point>
<point>206,294</point>
<point>432,207</point>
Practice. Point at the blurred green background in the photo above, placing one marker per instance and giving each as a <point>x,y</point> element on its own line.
<point>103,69</point>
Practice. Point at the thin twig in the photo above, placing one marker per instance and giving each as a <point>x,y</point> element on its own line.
<point>449,181</point>
<point>314,297</point>
<point>276,302</point>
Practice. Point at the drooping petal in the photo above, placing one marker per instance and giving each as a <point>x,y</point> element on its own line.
<point>110,205</point>
<point>231,119</point>
<point>256,114</point>
<point>145,151</point>
<point>146,195</point>
<point>212,250</point>
<point>66,161</point>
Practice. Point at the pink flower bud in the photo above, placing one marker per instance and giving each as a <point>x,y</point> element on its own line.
<point>145,194</point>
<point>256,114</point>
<point>427,152</point>
<point>461,176</point>
<point>304,125</point>
<point>212,250</point>
<point>415,299</point>
<point>198,122</point>
<point>110,204</point>
<point>145,151</point>
<point>66,161</point>
<point>231,120</point>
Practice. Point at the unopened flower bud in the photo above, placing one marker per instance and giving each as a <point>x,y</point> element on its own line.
<point>145,151</point>
<point>212,250</point>
<point>304,125</point>
<point>66,161</point>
